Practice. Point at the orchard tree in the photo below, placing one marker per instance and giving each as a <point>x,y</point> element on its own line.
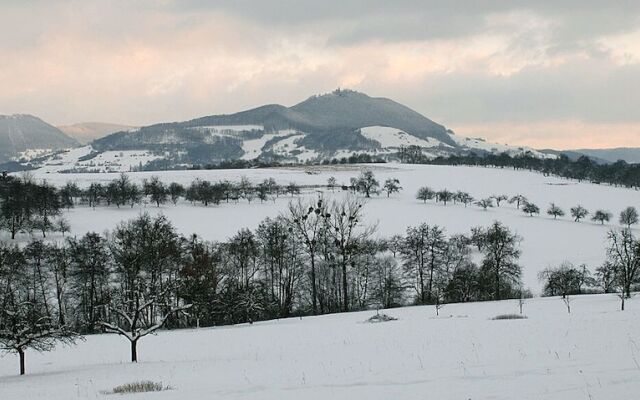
<point>601,216</point>
<point>176,191</point>
<point>555,211</point>
<point>392,185</point>
<point>578,212</point>
<point>156,190</point>
<point>292,189</point>
<point>485,203</point>
<point>563,280</point>
<point>629,216</point>
<point>464,198</point>
<point>444,196</point>
<point>425,193</point>
<point>367,184</point>
<point>500,198</point>
<point>518,200</point>
<point>145,279</point>
<point>531,209</point>
<point>331,183</point>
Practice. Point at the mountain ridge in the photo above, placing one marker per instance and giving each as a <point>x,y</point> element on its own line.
<point>20,133</point>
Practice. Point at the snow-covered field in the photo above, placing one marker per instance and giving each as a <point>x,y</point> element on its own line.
<point>462,354</point>
<point>545,241</point>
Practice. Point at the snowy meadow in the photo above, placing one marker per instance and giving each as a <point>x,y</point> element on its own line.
<point>545,241</point>
<point>573,347</point>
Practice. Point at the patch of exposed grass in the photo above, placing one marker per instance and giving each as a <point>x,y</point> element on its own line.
<point>508,316</point>
<point>140,387</point>
<point>381,318</point>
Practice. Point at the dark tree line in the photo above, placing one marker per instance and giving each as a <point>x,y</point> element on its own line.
<point>619,173</point>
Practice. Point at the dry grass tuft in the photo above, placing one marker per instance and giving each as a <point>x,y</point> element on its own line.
<point>140,387</point>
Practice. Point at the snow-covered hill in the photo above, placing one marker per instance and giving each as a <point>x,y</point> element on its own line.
<point>288,145</point>
<point>591,353</point>
<point>332,125</point>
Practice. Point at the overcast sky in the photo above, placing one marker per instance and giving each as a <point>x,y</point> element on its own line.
<point>545,73</point>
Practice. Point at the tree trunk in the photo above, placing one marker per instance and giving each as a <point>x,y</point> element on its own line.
<point>345,292</point>
<point>497,284</point>
<point>134,351</point>
<point>21,353</point>
<point>314,293</point>
<point>627,290</point>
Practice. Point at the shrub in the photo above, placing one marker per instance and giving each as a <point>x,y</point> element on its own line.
<point>140,387</point>
<point>508,316</point>
<point>381,318</point>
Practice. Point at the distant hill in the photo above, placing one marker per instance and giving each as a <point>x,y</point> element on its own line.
<point>86,132</point>
<point>628,154</point>
<point>321,127</point>
<point>22,133</point>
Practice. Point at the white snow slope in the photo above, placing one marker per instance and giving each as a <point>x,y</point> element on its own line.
<point>463,354</point>
<point>545,241</point>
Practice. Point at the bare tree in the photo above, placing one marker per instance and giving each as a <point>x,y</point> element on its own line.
<point>629,216</point>
<point>331,183</point>
<point>24,326</point>
<point>367,184</point>
<point>555,211</point>
<point>464,198</point>
<point>485,203</point>
<point>425,193</point>
<point>518,200</point>
<point>308,221</point>
<point>500,256</point>
<point>347,232</point>
<point>392,185</point>
<point>578,212</point>
<point>499,198</point>
<point>27,317</point>
<point>444,196</point>
<point>601,216</point>
<point>531,209</point>
<point>624,255</point>
<point>130,316</point>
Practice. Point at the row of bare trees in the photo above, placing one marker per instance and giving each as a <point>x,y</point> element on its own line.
<point>627,217</point>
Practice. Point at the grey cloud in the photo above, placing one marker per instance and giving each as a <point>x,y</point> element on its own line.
<point>590,91</point>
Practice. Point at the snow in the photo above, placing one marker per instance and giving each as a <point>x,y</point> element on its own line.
<point>64,160</point>
<point>545,241</point>
<point>394,138</point>
<point>230,128</point>
<point>108,161</point>
<point>463,354</point>
<point>253,148</point>
<point>481,144</point>
<point>30,154</point>
<point>118,161</point>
